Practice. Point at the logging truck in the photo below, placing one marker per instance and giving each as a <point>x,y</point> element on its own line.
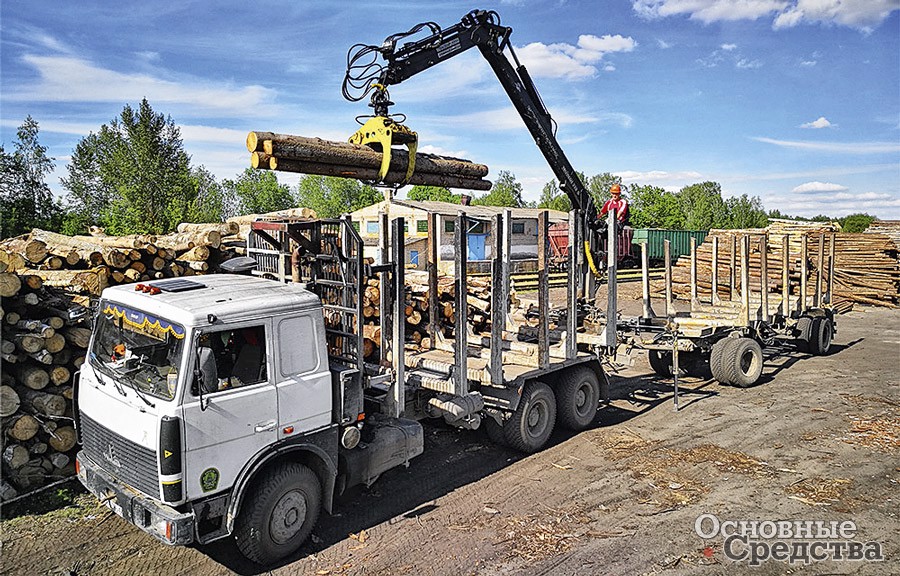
<point>234,405</point>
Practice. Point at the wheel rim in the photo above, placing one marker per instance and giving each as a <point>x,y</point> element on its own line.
<point>537,419</point>
<point>288,516</point>
<point>582,398</point>
<point>746,362</point>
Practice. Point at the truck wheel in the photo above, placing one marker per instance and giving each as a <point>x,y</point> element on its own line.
<point>717,359</point>
<point>661,362</point>
<point>531,424</point>
<point>804,327</point>
<point>819,336</point>
<point>279,514</point>
<point>744,362</point>
<point>577,398</point>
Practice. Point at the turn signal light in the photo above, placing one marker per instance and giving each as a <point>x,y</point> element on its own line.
<point>138,287</point>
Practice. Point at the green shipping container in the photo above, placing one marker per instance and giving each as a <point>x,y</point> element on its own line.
<point>680,242</point>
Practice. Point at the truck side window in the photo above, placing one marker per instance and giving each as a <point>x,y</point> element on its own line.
<point>297,349</point>
<point>239,355</point>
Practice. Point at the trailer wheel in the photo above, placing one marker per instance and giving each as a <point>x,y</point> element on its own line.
<point>815,334</point>
<point>531,424</point>
<point>744,362</point>
<point>577,398</point>
<point>279,514</point>
<point>661,362</point>
<point>718,357</point>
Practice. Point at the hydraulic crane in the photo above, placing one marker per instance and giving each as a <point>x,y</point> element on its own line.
<point>481,29</point>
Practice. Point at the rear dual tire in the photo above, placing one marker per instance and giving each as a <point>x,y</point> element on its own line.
<point>736,361</point>
<point>816,333</point>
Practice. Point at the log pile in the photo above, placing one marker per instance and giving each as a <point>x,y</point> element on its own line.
<point>889,228</point>
<point>44,337</point>
<point>416,309</point>
<point>284,152</point>
<point>866,269</point>
<point>87,264</point>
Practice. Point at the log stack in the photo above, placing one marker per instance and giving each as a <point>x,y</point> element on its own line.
<point>285,152</point>
<point>866,268</point>
<point>44,336</point>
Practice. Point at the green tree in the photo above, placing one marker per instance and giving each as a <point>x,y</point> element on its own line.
<point>435,193</point>
<point>133,176</point>
<point>552,198</point>
<point>26,201</point>
<point>702,206</point>
<point>653,207</point>
<point>256,192</point>
<point>746,212</point>
<point>211,202</point>
<point>506,191</point>
<point>331,196</point>
<point>856,222</point>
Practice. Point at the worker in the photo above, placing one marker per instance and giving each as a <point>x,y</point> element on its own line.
<point>616,204</point>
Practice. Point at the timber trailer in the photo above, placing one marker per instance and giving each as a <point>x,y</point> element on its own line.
<point>230,405</point>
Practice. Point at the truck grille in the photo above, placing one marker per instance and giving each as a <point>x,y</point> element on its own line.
<point>129,462</point>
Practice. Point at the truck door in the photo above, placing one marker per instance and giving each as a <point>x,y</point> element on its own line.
<point>302,375</point>
<point>241,407</point>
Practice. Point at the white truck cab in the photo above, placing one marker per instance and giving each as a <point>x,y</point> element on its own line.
<point>209,406</point>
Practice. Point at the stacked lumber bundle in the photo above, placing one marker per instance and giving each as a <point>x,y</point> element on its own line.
<point>866,269</point>
<point>889,228</point>
<point>44,337</point>
<point>87,264</point>
<point>289,153</point>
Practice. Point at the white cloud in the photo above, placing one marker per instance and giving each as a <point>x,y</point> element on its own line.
<point>745,64</point>
<point>563,60</point>
<point>657,177</point>
<point>821,122</point>
<point>728,47</point>
<point>862,15</point>
<point>508,118</point>
<point>662,44</point>
<point>818,188</point>
<point>836,147</point>
<point>71,79</point>
<point>708,11</point>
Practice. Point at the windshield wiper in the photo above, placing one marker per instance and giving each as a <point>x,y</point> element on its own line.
<point>134,386</point>
<point>108,372</point>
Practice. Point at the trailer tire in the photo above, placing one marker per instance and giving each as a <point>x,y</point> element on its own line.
<point>661,362</point>
<point>816,334</point>
<point>717,359</point>
<point>577,398</point>
<point>279,514</point>
<point>744,362</point>
<point>532,423</point>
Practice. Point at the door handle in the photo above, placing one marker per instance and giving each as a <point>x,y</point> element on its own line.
<point>264,426</point>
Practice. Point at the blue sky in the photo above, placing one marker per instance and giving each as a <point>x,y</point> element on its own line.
<point>794,101</point>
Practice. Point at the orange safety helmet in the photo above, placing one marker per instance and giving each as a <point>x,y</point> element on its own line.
<point>615,189</point>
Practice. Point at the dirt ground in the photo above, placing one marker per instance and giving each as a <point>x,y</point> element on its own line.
<point>817,439</point>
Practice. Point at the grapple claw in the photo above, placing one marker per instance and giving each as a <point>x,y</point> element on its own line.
<point>381,133</point>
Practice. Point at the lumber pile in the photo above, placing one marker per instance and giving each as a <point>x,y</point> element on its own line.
<point>865,268</point>
<point>44,336</point>
<point>889,228</point>
<point>284,152</point>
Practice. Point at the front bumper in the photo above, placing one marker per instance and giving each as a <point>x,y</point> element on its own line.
<point>157,519</point>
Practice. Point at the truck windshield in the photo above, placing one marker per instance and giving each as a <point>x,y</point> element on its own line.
<point>138,348</point>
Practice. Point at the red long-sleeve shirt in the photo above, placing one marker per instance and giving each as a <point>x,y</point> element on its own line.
<point>620,207</point>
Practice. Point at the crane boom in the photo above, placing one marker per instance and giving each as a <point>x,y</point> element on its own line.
<point>481,29</point>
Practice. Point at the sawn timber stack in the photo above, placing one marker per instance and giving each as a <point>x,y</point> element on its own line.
<point>287,153</point>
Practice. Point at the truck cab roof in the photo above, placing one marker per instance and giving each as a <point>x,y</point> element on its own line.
<point>231,298</point>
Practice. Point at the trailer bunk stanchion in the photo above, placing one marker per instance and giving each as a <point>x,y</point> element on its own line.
<point>543,292</point>
<point>645,283</point>
<point>612,257</point>
<point>461,351</point>
<point>498,303</point>
<point>572,287</point>
<point>830,269</point>
<point>786,276</point>
<point>670,308</point>
<point>694,300</point>
<point>804,270</point>
<point>434,316</point>
<point>745,281</point>
<point>397,400</point>
<point>764,276</point>
<point>732,271</point>
<point>820,271</point>
<point>714,296</point>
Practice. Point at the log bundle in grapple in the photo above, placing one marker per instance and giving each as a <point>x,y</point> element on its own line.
<point>289,153</point>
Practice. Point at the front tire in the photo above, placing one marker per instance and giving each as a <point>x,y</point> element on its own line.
<point>532,423</point>
<point>577,398</point>
<point>718,356</point>
<point>278,516</point>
